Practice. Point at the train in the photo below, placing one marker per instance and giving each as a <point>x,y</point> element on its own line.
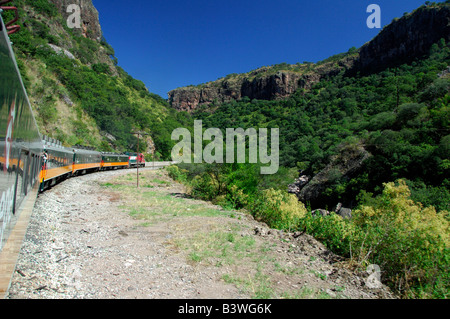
<point>30,162</point>
<point>60,163</point>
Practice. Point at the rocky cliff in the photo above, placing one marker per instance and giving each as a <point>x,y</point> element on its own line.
<point>90,28</point>
<point>266,83</point>
<point>400,42</point>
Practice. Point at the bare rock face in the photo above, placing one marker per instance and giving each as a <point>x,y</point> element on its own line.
<point>185,99</point>
<point>279,85</point>
<point>189,98</point>
<point>59,50</point>
<point>90,23</point>
<point>254,85</point>
<point>298,184</point>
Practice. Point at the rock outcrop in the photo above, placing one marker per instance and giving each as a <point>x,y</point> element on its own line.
<point>279,85</point>
<point>189,98</point>
<point>261,84</point>
<point>298,184</point>
<point>343,166</point>
<point>89,28</point>
<point>59,50</point>
<point>275,86</point>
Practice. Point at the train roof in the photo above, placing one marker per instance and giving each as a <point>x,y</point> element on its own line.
<point>85,151</point>
<point>55,145</point>
<point>58,149</point>
<point>81,149</point>
<point>113,154</point>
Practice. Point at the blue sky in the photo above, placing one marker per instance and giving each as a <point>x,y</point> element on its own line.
<point>174,43</point>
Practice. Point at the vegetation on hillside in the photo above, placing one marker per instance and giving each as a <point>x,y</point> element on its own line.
<point>87,100</point>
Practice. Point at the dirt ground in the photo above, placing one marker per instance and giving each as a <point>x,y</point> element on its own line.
<point>99,237</point>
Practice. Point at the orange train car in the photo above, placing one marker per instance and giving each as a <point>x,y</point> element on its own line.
<point>114,161</point>
<point>86,160</point>
<point>61,162</point>
<point>57,165</point>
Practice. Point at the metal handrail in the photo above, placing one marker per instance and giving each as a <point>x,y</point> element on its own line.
<point>11,28</point>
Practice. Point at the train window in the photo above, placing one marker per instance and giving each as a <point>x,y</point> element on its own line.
<point>26,172</point>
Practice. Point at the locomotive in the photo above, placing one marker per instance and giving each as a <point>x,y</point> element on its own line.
<point>136,159</point>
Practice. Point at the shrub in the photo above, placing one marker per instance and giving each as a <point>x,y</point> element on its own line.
<point>47,112</point>
<point>176,173</point>
<point>204,187</point>
<point>278,209</point>
<point>409,242</point>
<point>101,68</point>
<point>236,197</point>
<point>338,234</point>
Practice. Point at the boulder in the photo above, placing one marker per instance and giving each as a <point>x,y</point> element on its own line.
<point>59,50</point>
<point>343,166</point>
<point>345,213</point>
<point>295,187</point>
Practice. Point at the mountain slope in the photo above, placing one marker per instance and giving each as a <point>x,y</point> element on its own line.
<point>78,92</point>
<point>399,116</point>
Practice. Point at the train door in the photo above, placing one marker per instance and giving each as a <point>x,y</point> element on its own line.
<point>30,172</point>
<point>34,169</point>
<point>21,179</point>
